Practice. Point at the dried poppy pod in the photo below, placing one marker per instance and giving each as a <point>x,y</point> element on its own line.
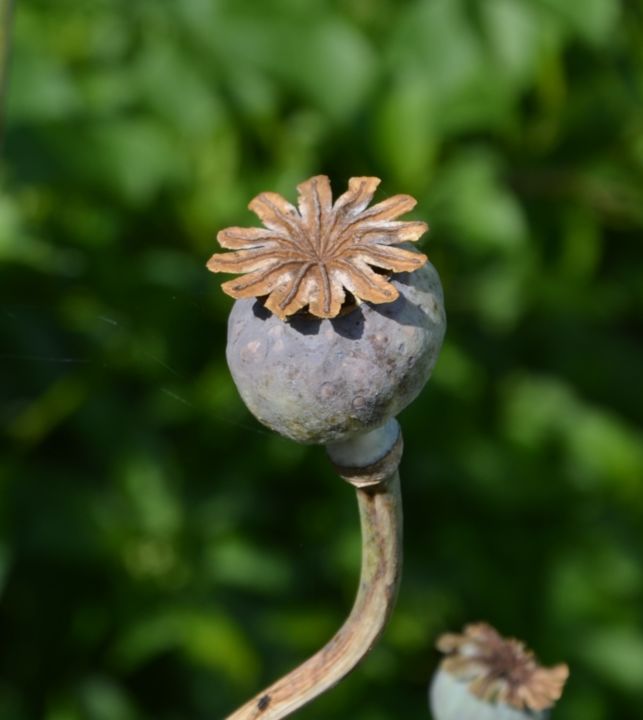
<point>335,330</point>
<point>365,318</point>
<point>487,677</point>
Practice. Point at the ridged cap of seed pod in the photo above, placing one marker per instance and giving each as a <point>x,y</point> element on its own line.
<point>487,677</point>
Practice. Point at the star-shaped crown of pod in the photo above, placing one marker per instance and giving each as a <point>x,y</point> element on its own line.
<point>501,669</point>
<point>311,256</point>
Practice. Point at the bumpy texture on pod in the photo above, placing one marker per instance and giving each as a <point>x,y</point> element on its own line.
<point>324,381</point>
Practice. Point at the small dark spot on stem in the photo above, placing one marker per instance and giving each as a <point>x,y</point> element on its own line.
<point>263,703</point>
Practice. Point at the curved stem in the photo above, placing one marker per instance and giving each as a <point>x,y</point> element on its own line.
<point>380,510</point>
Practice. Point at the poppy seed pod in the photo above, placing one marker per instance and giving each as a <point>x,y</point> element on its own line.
<point>487,677</point>
<point>336,328</point>
<point>322,381</point>
<point>365,319</point>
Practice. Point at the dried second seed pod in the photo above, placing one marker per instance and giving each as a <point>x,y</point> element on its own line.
<point>339,366</point>
<point>487,677</point>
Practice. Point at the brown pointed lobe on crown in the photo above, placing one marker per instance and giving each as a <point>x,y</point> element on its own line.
<point>309,256</point>
<point>501,670</point>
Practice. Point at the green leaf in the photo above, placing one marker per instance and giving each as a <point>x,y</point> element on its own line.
<point>209,639</point>
<point>593,20</point>
<point>617,654</point>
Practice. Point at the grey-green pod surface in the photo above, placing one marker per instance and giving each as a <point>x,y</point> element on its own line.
<point>324,381</point>
<point>451,699</point>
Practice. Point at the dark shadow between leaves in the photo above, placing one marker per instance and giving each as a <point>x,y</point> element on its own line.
<point>305,324</point>
<point>351,325</point>
<point>260,311</point>
<point>404,312</point>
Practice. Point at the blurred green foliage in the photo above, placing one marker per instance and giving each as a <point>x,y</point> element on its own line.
<point>161,555</point>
